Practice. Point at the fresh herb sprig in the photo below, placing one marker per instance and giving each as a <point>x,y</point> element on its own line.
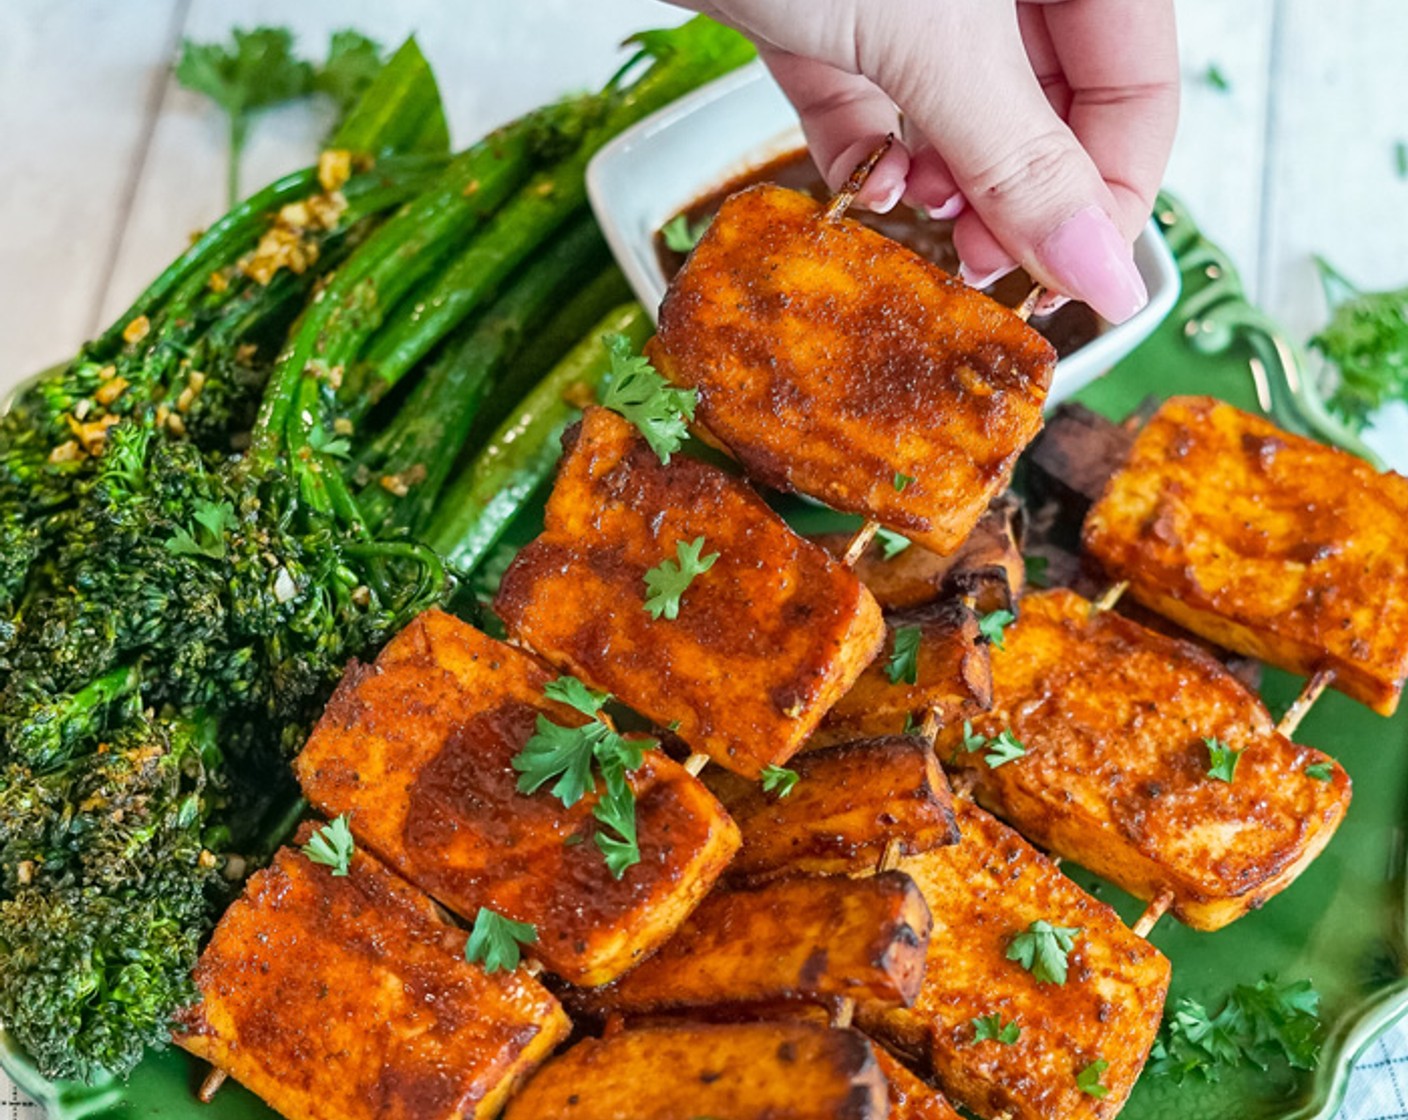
<point>681,235</point>
<point>1042,949</point>
<point>207,538</point>
<point>779,780</point>
<point>891,543</point>
<point>670,579</point>
<point>903,665</point>
<point>993,626</point>
<point>1088,1079</point>
<point>1222,760</point>
<point>565,756</point>
<point>1366,340</point>
<point>990,1028</point>
<point>496,942</point>
<point>658,409</point>
<point>1002,748</point>
<point>1321,771</point>
<point>1257,1024</point>
<point>333,846</point>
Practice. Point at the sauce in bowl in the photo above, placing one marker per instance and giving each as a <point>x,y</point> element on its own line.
<point>1067,329</point>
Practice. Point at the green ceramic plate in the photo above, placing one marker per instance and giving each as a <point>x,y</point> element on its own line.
<point>1344,924</point>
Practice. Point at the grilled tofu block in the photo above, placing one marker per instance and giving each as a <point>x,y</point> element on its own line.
<point>335,998</point>
<point>418,748</point>
<point>983,892</point>
<point>1264,542</point>
<point>987,568</point>
<point>746,1071</point>
<point>809,939</point>
<point>849,803</point>
<point>953,676</point>
<point>766,640</point>
<point>910,1097</point>
<point>835,362</point>
<point>1115,720</point>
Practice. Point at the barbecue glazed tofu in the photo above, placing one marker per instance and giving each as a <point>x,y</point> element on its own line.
<point>745,1071</point>
<point>1115,721</point>
<point>987,569</point>
<point>418,748</point>
<point>765,641</point>
<point>952,677</point>
<point>984,892</point>
<point>1265,542</point>
<point>910,1097</point>
<point>808,939</point>
<point>343,997</point>
<point>850,802</point>
<point>835,362</point>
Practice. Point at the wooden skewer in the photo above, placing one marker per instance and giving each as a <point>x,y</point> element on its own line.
<point>532,967</point>
<point>695,763</point>
<point>1025,309</point>
<point>211,1085</point>
<point>842,199</point>
<point>890,857</point>
<point>864,535</point>
<point>1319,681</point>
<point>845,1012</point>
<point>1158,906</point>
<point>1111,596</point>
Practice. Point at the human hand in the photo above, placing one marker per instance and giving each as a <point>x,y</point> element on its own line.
<point>1042,126</point>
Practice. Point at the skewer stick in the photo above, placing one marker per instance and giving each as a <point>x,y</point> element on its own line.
<point>845,1012</point>
<point>1111,596</point>
<point>890,857</point>
<point>864,535</point>
<point>1025,309</point>
<point>1319,681</point>
<point>1158,906</point>
<point>695,763</point>
<point>211,1085</point>
<point>843,198</point>
<point>533,967</point>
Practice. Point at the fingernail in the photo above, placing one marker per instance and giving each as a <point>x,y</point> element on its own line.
<point>1049,304</point>
<point>888,201</point>
<point>1090,261</point>
<point>967,275</point>
<point>949,209</point>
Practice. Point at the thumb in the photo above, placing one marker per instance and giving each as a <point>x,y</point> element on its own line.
<point>1025,175</point>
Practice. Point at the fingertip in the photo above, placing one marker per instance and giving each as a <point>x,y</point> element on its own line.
<point>884,186</point>
<point>983,259</point>
<point>930,187</point>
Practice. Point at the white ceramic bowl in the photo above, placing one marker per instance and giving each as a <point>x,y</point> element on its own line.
<point>656,169</point>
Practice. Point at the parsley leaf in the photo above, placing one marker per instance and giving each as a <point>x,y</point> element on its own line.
<point>638,392</point>
<point>904,658</point>
<point>1216,78</point>
<point>257,70</point>
<point>1036,569</point>
<point>1320,771</point>
<point>901,481</point>
<point>494,941</point>
<point>1222,760</point>
<point>573,693</point>
<point>681,235</point>
<point>564,753</point>
<point>993,625</point>
<point>1005,748</point>
<point>779,780</point>
<point>353,63</point>
<point>339,447</point>
<point>1042,949</point>
<point>1366,339</point>
<point>617,811</point>
<point>207,539</point>
<point>891,543</point>
<point>990,1028</point>
<point>1258,1023</point>
<point>972,740</point>
<point>668,580</point>
<point>1088,1079</point>
<point>332,846</point>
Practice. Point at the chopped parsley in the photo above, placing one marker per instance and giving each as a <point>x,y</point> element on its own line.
<point>1321,771</point>
<point>1003,748</point>
<point>904,658</point>
<point>779,780</point>
<point>495,941</point>
<point>1088,1079</point>
<point>668,580</point>
<point>207,538</point>
<point>1042,950</point>
<point>1222,760</point>
<point>1035,567</point>
<point>891,543</point>
<point>991,1028</point>
<point>637,391</point>
<point>681,235</point>
<point>902,481</point>
<point>993,625</point>
<point>1216,78</point>
<point>1366,340</point>
<point>332,846</point>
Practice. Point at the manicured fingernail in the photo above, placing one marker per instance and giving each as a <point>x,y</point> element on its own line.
<point>950,208</point>
<point>1049,304</point>
<point>888,201</point>
<point>1090,261</point>
<point>973,280</point>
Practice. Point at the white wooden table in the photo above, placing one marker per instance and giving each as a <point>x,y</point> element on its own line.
<point>106,165</point>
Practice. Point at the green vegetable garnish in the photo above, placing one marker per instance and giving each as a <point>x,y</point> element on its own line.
<point>891,544</point>
<point>1005,748</point>
<point>972,740</point>
<point>993,624</point>
<point>1258,1024</point>
<point>1036,569</point>
<point>1366,340</point>
<point>332,846</point>
<point>779,780</point>
<point>1088,1079</point>
<point>352,65</point>
<point>212,521</point>
<point>565,756</point>
<point>495,941</point>
<point>1321,771</point>
<point>904,657</point>
<point>1216,78</point>
<point>1222,760</point>
<point>668,580</point>
<point>902,480</point>
<point>991,1028</point>
<point>1042,950</point>
<point>661,411</point>
<point>681,235</point>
